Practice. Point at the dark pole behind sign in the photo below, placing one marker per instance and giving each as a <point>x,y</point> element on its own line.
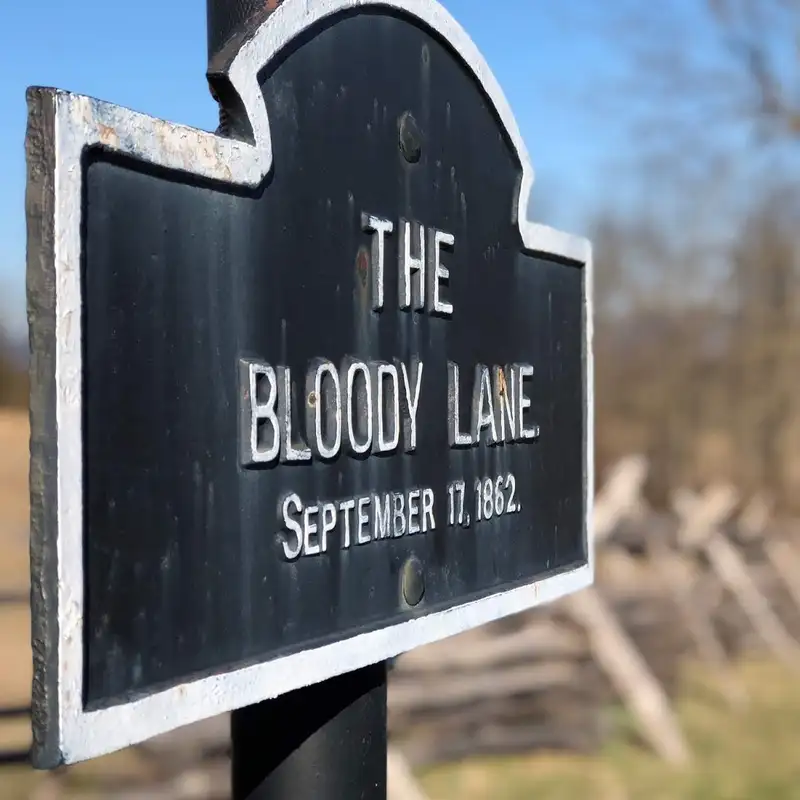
<point>327,741</point>
<point>226,18</point>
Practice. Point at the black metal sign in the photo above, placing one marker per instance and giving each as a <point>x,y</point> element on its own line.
<point>307,392</point>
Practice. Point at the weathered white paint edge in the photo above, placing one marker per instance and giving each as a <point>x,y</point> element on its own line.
<point>82,122</point>
<point>90,734</point>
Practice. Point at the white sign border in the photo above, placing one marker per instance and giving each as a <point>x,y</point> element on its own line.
<point>82,122</point>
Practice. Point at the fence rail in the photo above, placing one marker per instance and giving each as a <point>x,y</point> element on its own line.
<point>713,578</point>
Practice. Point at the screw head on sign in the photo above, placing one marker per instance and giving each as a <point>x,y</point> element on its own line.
<point>413,581</point>
<point>410,138</point>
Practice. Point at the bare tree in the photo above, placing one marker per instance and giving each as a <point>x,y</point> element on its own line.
<point>700,79</point>
<point>698,338</point>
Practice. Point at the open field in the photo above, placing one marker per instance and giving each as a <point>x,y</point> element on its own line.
<point>13,500</point>
<point>749,755</point>
<point>746,755</point>
<point>15,652</point>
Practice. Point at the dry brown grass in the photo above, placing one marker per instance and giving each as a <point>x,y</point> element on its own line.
<point>15,651</point>
<point>751,754</point>
<point>14,508</point>
<point>14,435</point>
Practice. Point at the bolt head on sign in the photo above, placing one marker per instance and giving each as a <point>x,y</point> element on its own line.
<point>308,392</point>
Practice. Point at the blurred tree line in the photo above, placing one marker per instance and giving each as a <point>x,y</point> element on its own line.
<point>707,385</point>
<point>13,377</point>
<point>698,289</point>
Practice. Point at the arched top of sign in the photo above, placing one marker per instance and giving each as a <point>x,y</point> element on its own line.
<point>294,17</point>
<point>217,158</point>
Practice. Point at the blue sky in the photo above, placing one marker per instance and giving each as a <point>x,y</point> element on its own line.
<point>151,56</point>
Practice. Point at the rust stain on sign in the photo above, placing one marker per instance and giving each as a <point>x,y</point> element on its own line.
<point>362,265</point>
<point>108,135</point>
<point>502,382</point>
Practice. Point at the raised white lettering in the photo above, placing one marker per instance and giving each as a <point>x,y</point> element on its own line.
<point>307,531</point>
<point>290,450</point>
<point>428,521</point>
<point>413,511</point>
<point>386,407</point>
<point>357,406</point>
<point>380,516</point>
<point>264,442</point>
<point>362,536</point>
<point>310,548</point>
<point>524,403</point>
<point>410,405</point>
<point>482,406</point>
<point>379,228</point>
<point>505,402</point>
<point>411,266</point>
<point>324,409</point>
<point>438,273</point>
<point>346,506</point>
<point>456,437</point>
<point>399,515</point>
<point>291,549</point>
<point>328,524</point>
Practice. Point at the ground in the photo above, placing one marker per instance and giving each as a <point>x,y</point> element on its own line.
<point>750,754</point>
<point>15,653</point>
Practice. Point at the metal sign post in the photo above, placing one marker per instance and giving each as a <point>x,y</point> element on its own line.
<point>326,741</point>
<point>306,393</point>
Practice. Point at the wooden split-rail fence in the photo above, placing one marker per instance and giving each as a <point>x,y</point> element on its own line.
<point>715,577</point>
